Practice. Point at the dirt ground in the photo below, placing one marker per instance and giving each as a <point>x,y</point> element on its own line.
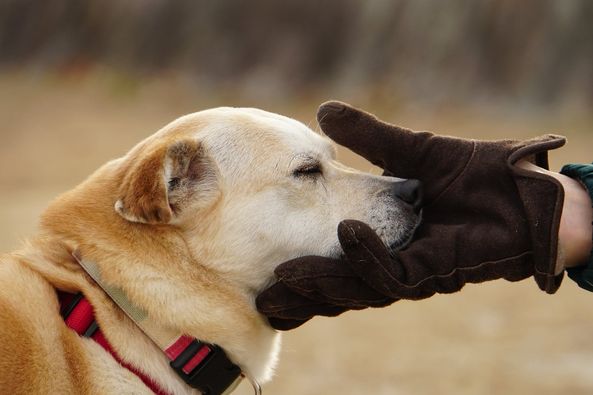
<point>496,338</point>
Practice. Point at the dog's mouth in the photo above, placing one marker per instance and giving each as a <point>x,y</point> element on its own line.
<point>407,238</point>
<point>401,244</point>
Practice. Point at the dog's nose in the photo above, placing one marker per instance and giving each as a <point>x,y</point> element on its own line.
<point>410,191</point>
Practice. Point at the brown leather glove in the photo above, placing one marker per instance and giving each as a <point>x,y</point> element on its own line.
<point>484,218</point>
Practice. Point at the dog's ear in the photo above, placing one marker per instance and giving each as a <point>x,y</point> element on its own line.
<point>156,187</point>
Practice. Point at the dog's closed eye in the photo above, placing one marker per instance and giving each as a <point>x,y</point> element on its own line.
<point>308,170</point>
<point>173,183</point>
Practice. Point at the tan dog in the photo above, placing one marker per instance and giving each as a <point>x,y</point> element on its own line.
<point>190,224</point>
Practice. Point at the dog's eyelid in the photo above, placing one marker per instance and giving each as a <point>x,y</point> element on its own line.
<point>174,183</point>
<point>309,165</point>
<point>308,170</point>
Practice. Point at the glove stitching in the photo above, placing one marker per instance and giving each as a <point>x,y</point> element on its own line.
<point>308,291</point>
<point>358,303</point>
<point>290,278</point>
<point>285,308</point>
<point>456,269</point>
<point>545,274</point>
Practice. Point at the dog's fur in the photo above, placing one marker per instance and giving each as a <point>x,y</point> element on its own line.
<point>190,224</point>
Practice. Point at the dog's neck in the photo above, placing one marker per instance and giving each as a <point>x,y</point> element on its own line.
<point>203,366</point>
<point>200,305</point>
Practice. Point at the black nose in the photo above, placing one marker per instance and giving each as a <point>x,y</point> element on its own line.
<point>410,191</point>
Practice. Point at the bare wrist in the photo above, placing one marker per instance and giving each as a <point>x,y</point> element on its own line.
<point>575,233</point>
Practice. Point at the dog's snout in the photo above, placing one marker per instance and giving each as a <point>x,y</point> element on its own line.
<point>410,191</point>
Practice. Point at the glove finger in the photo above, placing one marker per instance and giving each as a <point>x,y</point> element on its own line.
<point>280,298</point>
<point>325,280</point>
<point>308,309</point>
<point>369,257</point>
<point>290,319</point>
<point>363,133</point>
<point>373,262</point>
<point>291,309</point>
<point>402,152</point>
<point>285,325</point>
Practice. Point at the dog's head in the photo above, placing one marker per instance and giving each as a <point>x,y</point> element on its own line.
<point>250,189</point>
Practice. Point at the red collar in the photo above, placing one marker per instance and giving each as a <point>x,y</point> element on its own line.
<point>202,366</point>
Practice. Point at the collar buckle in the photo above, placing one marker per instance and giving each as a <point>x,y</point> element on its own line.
<point>212,372</point>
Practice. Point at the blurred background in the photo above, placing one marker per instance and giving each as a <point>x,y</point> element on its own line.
<point>82,81</point>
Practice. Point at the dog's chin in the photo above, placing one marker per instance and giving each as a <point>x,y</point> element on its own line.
<point>402,243</point>
<point>406,239</point>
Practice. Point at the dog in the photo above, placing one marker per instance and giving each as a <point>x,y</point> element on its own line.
<point>189,226</point>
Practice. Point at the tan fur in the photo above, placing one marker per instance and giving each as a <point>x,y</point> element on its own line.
<point>190,224</point>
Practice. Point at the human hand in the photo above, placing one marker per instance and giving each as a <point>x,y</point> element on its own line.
<point>484,218</point>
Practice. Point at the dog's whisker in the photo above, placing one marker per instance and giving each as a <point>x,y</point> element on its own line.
<point>321,132</point>
<point>310,123</point>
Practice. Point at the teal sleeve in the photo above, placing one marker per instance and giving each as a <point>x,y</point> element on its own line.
<point>582,275</point>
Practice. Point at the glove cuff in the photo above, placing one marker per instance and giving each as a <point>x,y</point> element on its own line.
<point>542,198</point>
<point>582,275</point>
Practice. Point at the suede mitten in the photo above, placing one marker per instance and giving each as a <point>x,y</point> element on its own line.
<point>484,218</point>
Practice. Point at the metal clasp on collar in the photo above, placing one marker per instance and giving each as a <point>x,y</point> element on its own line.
<point>255,385</point>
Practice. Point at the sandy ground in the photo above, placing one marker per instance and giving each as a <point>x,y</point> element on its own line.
<point>497,338</point>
